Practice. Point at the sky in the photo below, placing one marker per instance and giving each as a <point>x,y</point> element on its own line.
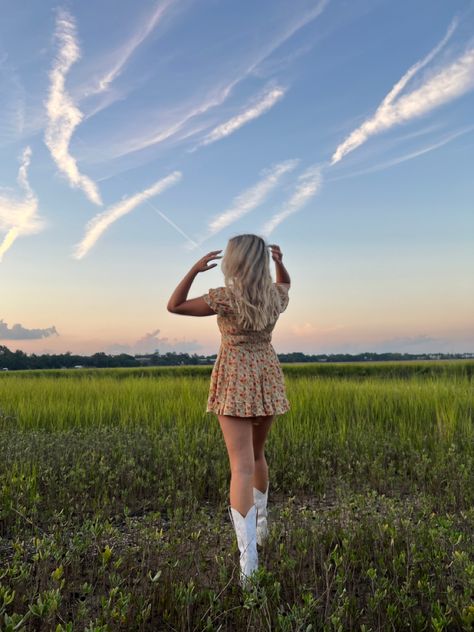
<point>137,137</point>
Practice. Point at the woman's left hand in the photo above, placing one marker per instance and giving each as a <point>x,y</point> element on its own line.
<point>201,265</point>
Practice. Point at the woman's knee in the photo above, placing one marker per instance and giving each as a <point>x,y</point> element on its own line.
<point>244,467</point>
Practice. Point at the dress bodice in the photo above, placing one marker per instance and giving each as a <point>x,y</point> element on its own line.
<point>220,301</point>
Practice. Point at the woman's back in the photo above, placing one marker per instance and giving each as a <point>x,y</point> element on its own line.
<point>222,301</point>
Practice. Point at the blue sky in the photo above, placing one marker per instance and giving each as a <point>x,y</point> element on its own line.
<point>136,137</point>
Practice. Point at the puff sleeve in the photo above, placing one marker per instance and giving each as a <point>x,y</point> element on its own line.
<point>283,293</point>
<point>218,301</point>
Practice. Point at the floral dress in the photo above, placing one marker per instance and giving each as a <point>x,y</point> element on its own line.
<point>246,379</point>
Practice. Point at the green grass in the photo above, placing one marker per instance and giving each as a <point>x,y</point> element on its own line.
<point>114,486</point>
<point>406,369</point>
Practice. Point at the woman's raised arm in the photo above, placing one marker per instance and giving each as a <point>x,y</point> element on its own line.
<point>282,275</point>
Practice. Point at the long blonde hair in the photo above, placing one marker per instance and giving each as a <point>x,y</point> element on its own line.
<point>246,269</point>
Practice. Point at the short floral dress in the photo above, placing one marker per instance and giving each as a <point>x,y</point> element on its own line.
<point>247,379</point>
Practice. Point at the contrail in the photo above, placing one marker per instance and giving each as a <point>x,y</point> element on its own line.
<point>167,219</point>
<point>98,224</point>
<point>172,224</point>
<point>63,115</point>
<point>411,72</point>
<point>308,184</point>
<point>257,109</point>
<point>449,83</point>
<point>221,93</point>
<point>400,159</point>
<point>131,45</point>
<point>250,198</point>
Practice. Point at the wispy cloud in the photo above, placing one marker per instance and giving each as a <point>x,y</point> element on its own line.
<point>122,56</point>
<point>251,197</point>
<point>446,84</point>
<point>19,217</point>
<point>411,72</point>
<point>99,224</point>
<point>63,115</point>
<point>218,94</point>
<point>259,107</point>
<point>450,82</point>
<point>409,156</point>
<point>308,184</point>
<point>147,139</point>
<point>295,25</point>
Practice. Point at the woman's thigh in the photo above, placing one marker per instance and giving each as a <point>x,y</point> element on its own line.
<point>260,434</point>
<point>238,438</point>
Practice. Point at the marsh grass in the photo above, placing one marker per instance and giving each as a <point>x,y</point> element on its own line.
<point>114,487</point>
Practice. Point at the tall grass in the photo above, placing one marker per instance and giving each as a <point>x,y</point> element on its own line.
<point>384,434</point>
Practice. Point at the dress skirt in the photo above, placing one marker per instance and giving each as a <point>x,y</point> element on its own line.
<point>247,381</point>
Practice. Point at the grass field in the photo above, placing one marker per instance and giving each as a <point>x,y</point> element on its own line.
<point>114,491</point>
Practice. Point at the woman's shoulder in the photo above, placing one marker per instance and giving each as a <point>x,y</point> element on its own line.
<point>220,300</point>
<point>224,294</point>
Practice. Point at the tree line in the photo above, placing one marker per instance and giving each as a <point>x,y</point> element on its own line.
<point>19,360</point>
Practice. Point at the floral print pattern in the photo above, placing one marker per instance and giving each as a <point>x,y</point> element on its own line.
<point>247,379</point>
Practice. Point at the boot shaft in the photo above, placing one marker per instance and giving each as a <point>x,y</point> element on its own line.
<point>261,500</point>
<point>246,531</point>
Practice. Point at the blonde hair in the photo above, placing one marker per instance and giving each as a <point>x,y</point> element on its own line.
<point>246,269</point>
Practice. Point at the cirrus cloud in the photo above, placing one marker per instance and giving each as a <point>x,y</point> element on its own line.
<point>19,216</point>
<point>63,115</point>
<point>447,84</point>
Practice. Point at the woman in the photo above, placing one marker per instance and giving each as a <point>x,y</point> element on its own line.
<point>247,385</point>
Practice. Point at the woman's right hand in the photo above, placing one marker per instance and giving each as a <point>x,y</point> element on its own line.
<point>277,254</point>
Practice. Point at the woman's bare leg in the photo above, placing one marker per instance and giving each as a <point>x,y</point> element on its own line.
<point>237,433</point>
<point>260,433</point>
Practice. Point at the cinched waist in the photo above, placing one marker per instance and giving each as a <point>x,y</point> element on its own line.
<point>245,343</point>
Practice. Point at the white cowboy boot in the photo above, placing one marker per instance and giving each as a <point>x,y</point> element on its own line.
<point>260,499</point>
<point>246,531</point>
